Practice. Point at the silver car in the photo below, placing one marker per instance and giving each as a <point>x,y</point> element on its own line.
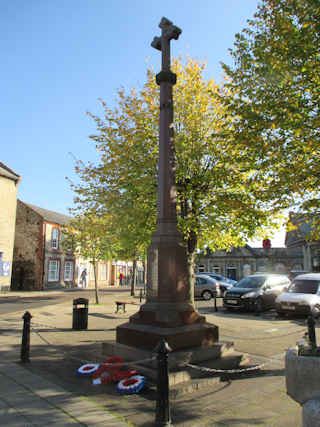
<point>206,287</point>
<point>302,297</point>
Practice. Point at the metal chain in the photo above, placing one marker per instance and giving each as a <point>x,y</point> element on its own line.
<point>265,337</point>
<point>134,362</point>
<point>229,371</point>
<point>199,368</point>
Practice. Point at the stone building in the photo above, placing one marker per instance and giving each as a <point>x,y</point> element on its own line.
<point>39,261</point>
<point>8,202</point>
<point>240,262</point>
<point>300,238</point>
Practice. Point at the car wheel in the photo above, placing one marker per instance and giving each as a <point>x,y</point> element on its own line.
<point>207,295</point>
<point>281,314</point>
<point>259,305</point>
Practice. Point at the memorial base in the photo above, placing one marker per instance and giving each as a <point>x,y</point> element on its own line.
<point>181,337</point>
<point>182,379</point>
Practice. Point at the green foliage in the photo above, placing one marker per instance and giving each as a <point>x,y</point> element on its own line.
<point>272,96</point>
<point>88,236</point>
<point>216,206</point>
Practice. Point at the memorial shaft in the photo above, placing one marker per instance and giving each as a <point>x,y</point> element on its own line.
<point>169,311</point>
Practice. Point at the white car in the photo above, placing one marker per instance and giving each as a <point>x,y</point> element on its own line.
<point>302,297</point>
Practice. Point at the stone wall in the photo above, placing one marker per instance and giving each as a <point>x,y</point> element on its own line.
<point>28,249</point>
<point>8,204</point>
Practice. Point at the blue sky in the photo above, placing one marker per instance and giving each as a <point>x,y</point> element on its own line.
<point>59,57</point>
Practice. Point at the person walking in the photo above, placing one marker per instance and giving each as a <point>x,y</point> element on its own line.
<point>121,279</point>
<point>83,278</point>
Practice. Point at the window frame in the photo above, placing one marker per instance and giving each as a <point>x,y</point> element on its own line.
<point>103,269</point>
<point>67,262</point>
<point>55,239</point>
<point>57,276</point>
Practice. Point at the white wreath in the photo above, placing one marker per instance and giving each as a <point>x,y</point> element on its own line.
<point>88,368</point>
<point>134,385</point>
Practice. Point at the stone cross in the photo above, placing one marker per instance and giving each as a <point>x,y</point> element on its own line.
<point>169,32</point>
<point>166,79</point>
<point>169,313</point>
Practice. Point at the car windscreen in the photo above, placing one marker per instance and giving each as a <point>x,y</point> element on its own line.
<point>304,286</point>
<point>251,282</point>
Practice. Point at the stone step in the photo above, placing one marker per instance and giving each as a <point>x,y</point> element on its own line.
<point>190,380</point>
<point>176,358</point>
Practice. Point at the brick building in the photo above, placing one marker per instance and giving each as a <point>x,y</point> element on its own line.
<point>8,202</point>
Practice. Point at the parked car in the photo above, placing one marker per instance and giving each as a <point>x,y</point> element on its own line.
<point>225,282</point>
<point>302,297</point>
<point>256,292</point>
<point>206,287</point>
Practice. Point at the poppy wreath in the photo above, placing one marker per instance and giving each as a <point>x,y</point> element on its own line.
<point>103,378</point>
<point>131,385</point>
<point>113,360</point>
<point>106,372</point>
<point>88,368</point>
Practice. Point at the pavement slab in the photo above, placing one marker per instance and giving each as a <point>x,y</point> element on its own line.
<point>57,351</point>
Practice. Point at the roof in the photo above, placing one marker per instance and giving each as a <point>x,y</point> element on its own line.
<point>249,252</point>
<point>8,173</point>
<point>300,234</point>
<point>308,276</point>
<point>50,216</point>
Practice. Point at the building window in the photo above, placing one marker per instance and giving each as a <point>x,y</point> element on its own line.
<point>54,269</point>
<point>68,271</point>
<point>55,238</point>
<point>103,271</point>
<point>201,268</point>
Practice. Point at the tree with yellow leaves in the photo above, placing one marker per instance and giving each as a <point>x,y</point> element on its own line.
<point>215,205</point>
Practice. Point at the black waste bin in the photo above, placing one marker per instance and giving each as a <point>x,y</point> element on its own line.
<point>80,314</point>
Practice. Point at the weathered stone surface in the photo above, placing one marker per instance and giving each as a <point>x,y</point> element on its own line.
<point>302,377</point>
<point>311,414</point>
<point>169,310</point>
<point>147,337</point>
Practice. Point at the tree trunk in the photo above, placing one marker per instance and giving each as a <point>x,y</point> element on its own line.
<point>190,262</point>
<point>191,251</point>
<point>134,278</point>
<point>94,263</point>
<point>145,276</point>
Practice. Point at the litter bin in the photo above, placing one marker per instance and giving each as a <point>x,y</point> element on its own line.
<point>80,313</point>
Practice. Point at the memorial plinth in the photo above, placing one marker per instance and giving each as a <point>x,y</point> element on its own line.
<point>169,310</point>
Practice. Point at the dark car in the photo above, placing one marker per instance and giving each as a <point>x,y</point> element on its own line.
<point>256,292</point>
<point>225,282</point>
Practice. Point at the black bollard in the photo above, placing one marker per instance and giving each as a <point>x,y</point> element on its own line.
<point>140,295</point>
<point>215,303</point>
<point>25,346</point>
<point>163,406</point>
<point>312,332</point>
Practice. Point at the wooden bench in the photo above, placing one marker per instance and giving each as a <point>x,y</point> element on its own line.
<point>122,305</point>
